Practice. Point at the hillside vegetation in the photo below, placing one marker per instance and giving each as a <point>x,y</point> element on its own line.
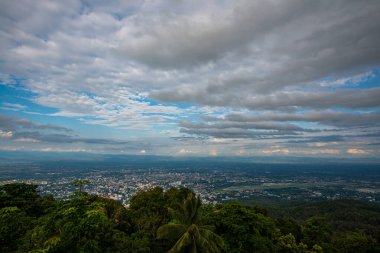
<point>176,221</point>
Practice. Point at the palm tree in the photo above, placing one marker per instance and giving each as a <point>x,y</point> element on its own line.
<point>80,183</point>
<point>192,237</point>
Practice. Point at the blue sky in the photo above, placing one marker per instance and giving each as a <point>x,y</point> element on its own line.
<point>189,78</point>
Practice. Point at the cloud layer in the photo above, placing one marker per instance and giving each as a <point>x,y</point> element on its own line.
<point>24,130</point>
<point>209,77</point>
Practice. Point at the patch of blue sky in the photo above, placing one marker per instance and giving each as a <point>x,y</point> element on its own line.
<point>355,111</point>
<point>17,101</point>
<point>95,97</point>
<point>14,90</point>
<point>167,117</point>
<point>366,80</point>
<point>10,94</point>
<point>87,130</point>
<point>152,102</point>
<point>193,118</point>
<point>373,81</point>
<point>14,80</point>
<point>82,127</point>
<point>308,125</point>
<point>164,126</point>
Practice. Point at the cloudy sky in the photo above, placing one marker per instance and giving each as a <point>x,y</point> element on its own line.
<point>191,78</point>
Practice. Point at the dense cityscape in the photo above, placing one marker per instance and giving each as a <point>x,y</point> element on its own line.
<point>241,182</point>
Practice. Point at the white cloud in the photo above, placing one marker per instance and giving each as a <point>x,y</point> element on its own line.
<point>26,140</point>
<point>184,151</point>
<point>9,148</point>
<point>15,107</point>
<point>6,134</point>
<point>322,144</point>
<point>276,150</point>
<point>357,151</point>
<point>58,149</point>
<point>321,152</point>
<point>213,152</point>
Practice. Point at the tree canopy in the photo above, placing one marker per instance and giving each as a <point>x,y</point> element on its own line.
<point>165,221</point>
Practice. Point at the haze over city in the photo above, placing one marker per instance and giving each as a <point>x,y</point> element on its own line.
<point>191,78</point>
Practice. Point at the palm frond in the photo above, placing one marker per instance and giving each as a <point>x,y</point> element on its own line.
<point>208,227</point>
<point>183,242</point>
<point>216,241</point>
<point>171,231</point>
<point>191,208</point>
<point>193,237</point>
<point>206,245</point>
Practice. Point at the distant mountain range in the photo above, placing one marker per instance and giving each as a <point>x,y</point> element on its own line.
<point>30,156</point>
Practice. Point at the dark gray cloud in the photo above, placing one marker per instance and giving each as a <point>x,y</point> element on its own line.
<point>331,118</point>
<point>312,33</point>
<point>305,127</point>
<point>265,53</point>
<point>237,133</point>
<point>24,130</point>
<point>12,123</point>
<point>244,125</point>
<point>353,99</point>
<point>319,139</point>
<point>228,129</point>
<point>171,41</point>
<point>28,15</point>
<point>63,138</point>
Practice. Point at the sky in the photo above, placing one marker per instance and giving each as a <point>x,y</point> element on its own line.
<point>191,78</point>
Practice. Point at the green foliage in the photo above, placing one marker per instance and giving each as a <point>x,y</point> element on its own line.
<point>13,224</point>
<point>287,244</point>
<point>289,226</point>
<point>186,228</point>
<point>317,231</point>
<point>242,229</point>
<point>343,215</point>
<point>80,183</point>
<point>147,212</point>
<point>357,242</point>
<point>175,221</point>
<point>23,196</point>
<point>79,225</point>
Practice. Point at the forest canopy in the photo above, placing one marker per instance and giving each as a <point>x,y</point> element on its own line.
<point>176,221</point>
